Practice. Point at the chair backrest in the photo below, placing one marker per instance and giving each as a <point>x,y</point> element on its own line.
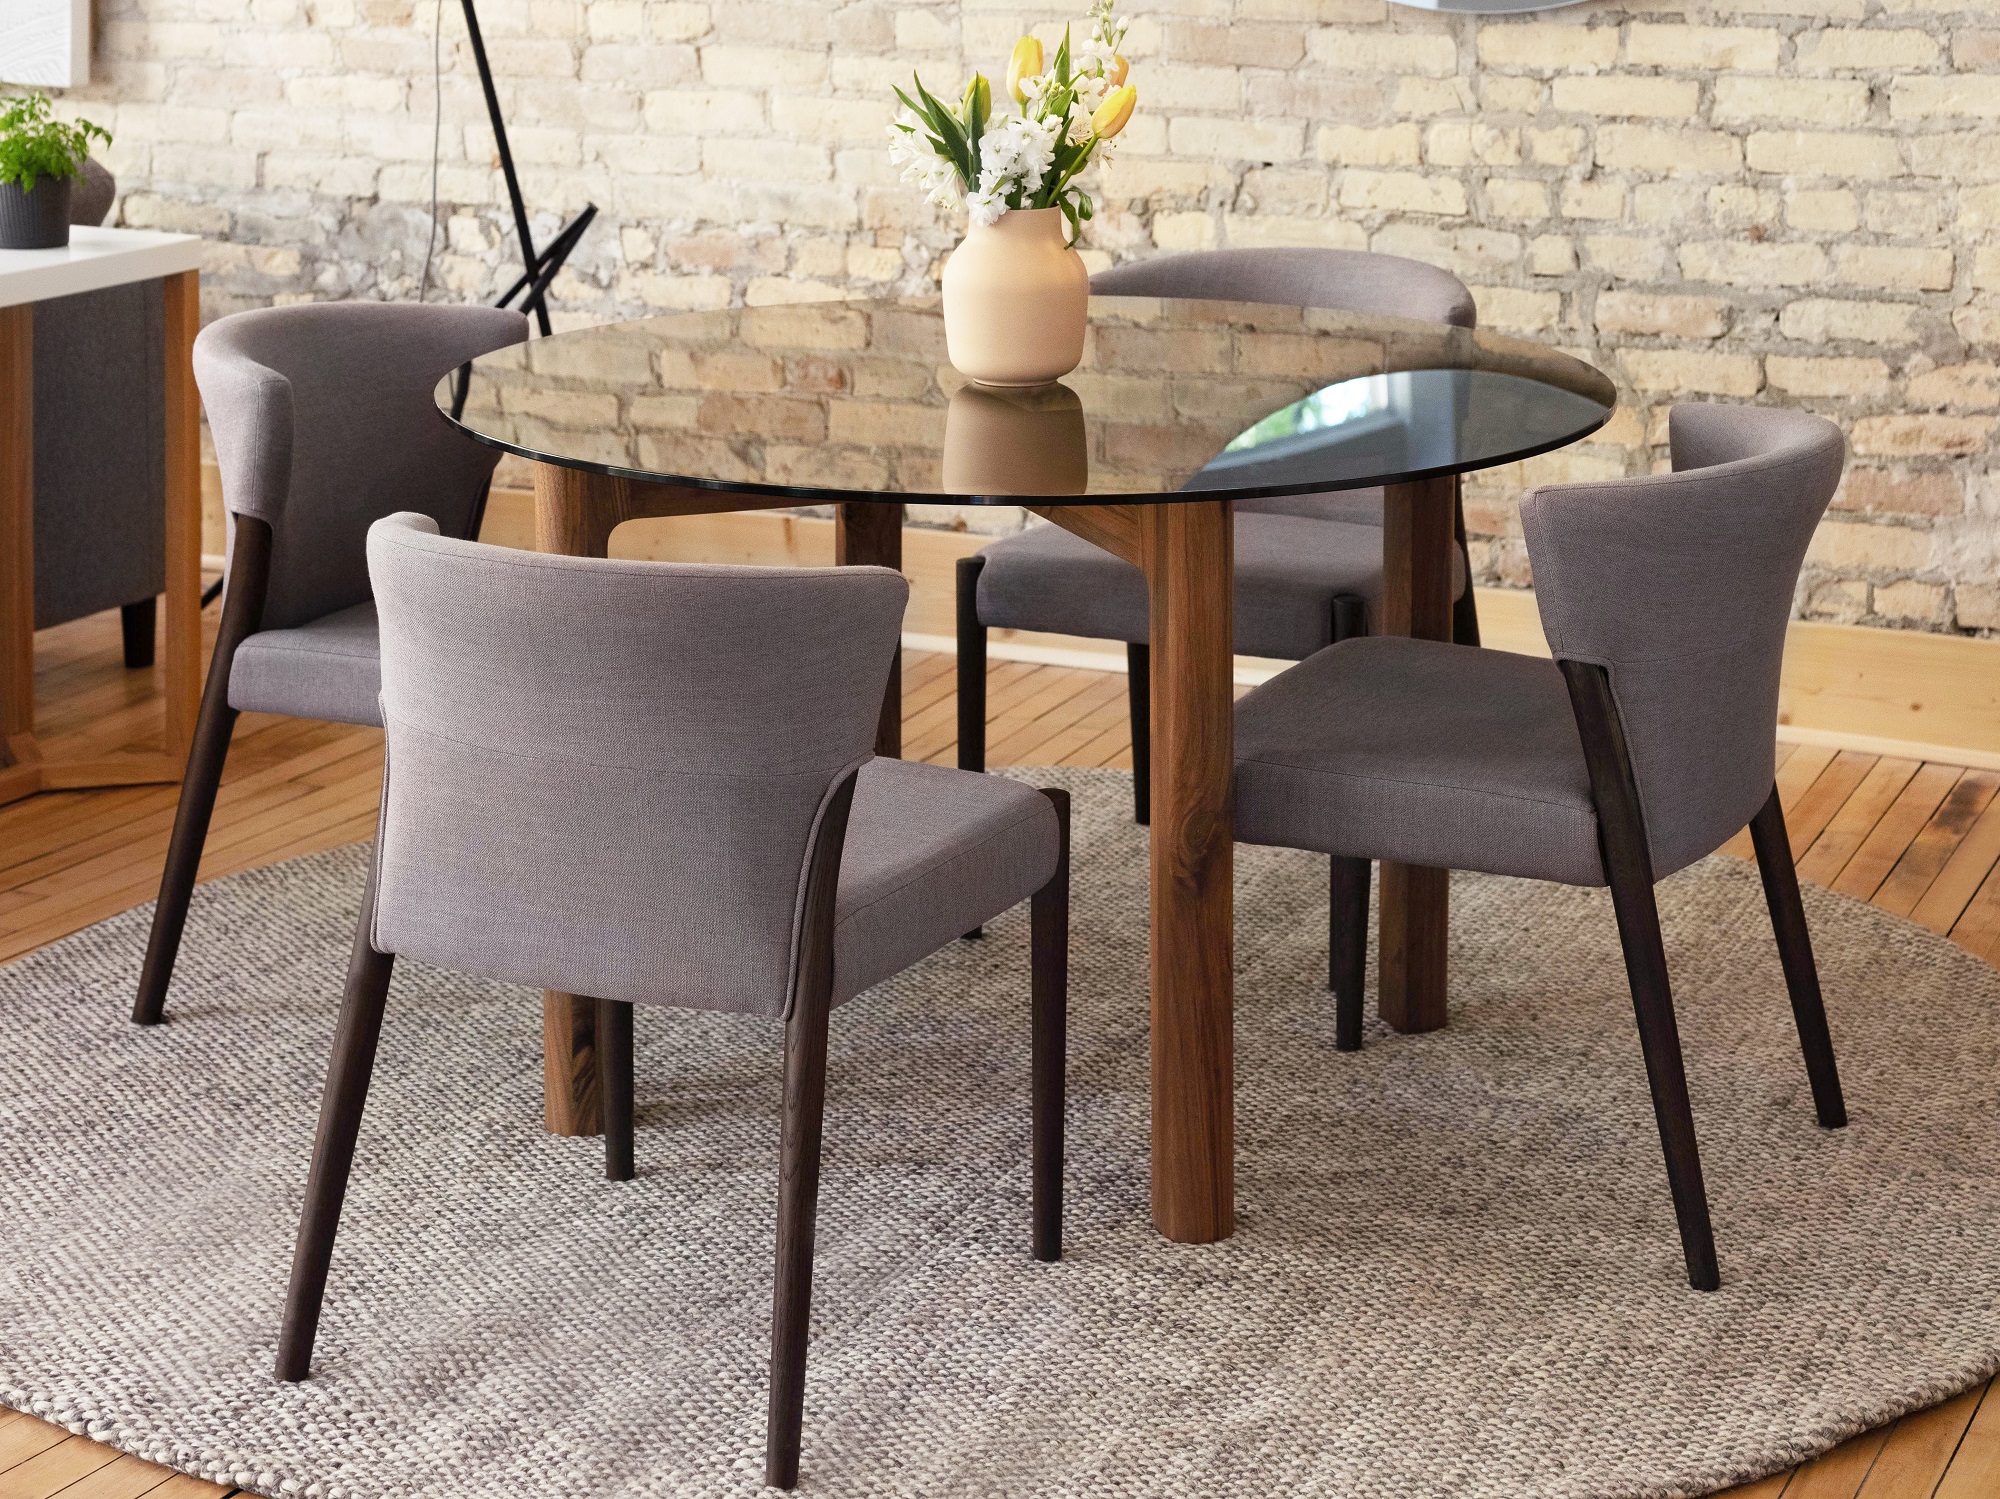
<point>1345,280</point>
<point>605,777</point>
<point>324,422</point>
<point>1681,586</point>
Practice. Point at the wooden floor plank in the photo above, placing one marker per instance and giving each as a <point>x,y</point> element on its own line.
<point>24,1439</point>
<point>51,1471</point>
<point>1975,1468</point>
<point>1796,774</point>
<point>1856,819</point>
<point>126,1477</point>
<point>1890,838</point>
<point>1962,875</point>
<point>1914,1458</point>
<point>1806,820</point>
<point>1977,929</point>
<point>1931,849</point>
<point>1840,1473</point>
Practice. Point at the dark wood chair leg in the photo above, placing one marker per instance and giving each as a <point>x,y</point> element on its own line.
<point>250,565</point>
<point>1350,618</point>
<point>1788,923</point>
<point>614,1086</point>
<point>1465,608</point>
<point>1139,696</point>
<point>1628,866</point>
<point>1347,947</point>
<point>139,623</point>
<point>1049,922</point>
<point>971,678</point>
<point>347,1077</point>
<point>971,667</point>
<point>799,1154</point>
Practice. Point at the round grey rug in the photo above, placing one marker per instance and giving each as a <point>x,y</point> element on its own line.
<point>1455,1273</point>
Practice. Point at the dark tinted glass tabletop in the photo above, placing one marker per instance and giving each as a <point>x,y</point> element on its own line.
<point>825,401</point>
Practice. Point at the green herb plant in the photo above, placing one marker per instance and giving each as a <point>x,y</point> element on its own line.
<point>35,144</point>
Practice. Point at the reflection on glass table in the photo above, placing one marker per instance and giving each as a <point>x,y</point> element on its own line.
<point>1412,422</point>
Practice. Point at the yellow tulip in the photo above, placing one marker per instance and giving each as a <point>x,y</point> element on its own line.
<point>1119,68</point>
<point>1025,63</point>
<point>1114,112</point>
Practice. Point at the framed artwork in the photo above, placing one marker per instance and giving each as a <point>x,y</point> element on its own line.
<point>45,42</point>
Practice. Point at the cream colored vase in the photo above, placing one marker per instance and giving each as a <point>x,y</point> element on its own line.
<point>1015,297</point>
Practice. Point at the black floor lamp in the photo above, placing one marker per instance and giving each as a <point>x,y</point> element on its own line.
<point>537,269</point>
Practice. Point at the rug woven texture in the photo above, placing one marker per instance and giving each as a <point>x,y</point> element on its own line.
<point>1455,1271</point>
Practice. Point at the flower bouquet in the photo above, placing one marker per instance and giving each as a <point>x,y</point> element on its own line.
<point>1015,290</point>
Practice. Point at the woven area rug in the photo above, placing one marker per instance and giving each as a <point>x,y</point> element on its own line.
<point>1455,1271</point>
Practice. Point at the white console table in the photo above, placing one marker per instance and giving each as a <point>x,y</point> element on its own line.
<point>95,259</point>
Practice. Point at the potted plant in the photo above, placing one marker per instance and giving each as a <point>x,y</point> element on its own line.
<point>1015,290</point>
<point>40,156</point>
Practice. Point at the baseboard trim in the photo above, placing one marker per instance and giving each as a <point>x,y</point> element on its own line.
<point>1907,693</point>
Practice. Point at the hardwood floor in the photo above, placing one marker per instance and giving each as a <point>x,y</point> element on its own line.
<point>1919,839</point>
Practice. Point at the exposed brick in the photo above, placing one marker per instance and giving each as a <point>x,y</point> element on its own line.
<point>1899,491</point>
<point>1752,49</point>
<point>1827,376</point>
<point>1661,313</point>
<point>1615,97</point>
<point>1360,146</point>
<point>1804,153</point>
<point>1678,370</point>
<point>1547,46</point>
<point>1744,263</point>
<point>1819,320</point>
<point>1892,268</point>
<point>1958,387</point>
<point>1841,101</point>
<point>1402,192</point>
<point>1906,435</point>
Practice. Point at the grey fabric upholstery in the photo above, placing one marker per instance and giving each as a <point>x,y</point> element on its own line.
<point>931,853</point>
<point>1430,753</point>
<point>323,422</point>
<point>100,451</point>
<point>1352,280</point>
<point>606,777</point>
<point>1288,570</point>
<point>329,668</point>
<point>1679,584</point>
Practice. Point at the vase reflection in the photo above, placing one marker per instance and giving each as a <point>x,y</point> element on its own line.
<point>1021,441</point>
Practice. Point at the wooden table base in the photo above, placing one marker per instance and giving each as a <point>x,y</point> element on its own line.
<point>1417,546</point>
<point>1187,551</point>
<point>24,767</point>
<point>575,513</point>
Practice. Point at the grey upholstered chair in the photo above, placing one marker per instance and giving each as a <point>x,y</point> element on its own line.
<point>1644,745</point>
<point>323,422</point>
<point>100,446</point>
<point>1308,567</point>
<point>653,783</point>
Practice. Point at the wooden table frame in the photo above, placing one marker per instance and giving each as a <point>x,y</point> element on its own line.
<point>24,769</point>
<point>1186,550</point>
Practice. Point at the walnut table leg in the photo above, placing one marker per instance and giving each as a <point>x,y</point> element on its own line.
<point>1187,551</point>
<point>575,514</point>
<point>870,533</point>
<point>1416,601</point>
<point>20,770</point>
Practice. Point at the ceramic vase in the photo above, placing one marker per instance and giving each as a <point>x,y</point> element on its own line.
<point>1015,298</point>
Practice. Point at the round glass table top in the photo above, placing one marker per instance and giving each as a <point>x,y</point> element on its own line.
<point>826,401</point>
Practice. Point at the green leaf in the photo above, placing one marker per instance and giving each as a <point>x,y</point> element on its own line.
<point>34,144</point>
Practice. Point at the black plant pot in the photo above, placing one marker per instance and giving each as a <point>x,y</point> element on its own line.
<point>35,221</point>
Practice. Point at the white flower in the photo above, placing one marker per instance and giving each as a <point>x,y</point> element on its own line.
<point>983,206</point>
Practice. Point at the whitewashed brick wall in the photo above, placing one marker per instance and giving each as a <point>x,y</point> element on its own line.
<point>1789,201</point>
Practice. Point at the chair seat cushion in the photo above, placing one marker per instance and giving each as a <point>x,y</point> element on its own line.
<point>330,668</point>
<point>1288,570</point>
<point>1357,507</point>
<point>1420,752</point>
<point>932,853</point>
